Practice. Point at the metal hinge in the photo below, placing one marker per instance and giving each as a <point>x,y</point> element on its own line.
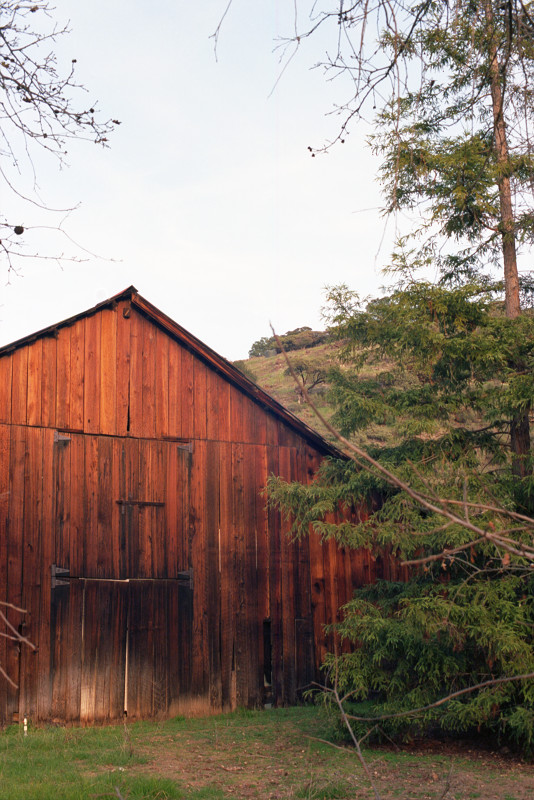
<point>185,578</point>
<point>187,446</point>
<point>58,576</point>
<point>61,437</point>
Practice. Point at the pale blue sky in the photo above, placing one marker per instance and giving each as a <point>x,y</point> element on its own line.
<point>208,200</point>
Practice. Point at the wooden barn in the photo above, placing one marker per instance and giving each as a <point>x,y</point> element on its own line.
<point>135,534</point>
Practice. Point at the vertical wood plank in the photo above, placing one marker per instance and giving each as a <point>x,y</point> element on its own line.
<point>304,623</point>
<point>48,390</point>
<point>287,551</point>
<point>76,487</point>
<point>123,368</point>
<point>275,588</point>
<point>262,569</point>
<point>239,548</point>
<point>136,374</point>
<point>317,578</point>
<point>63,378</point>
<point>249,420</point>
<point>144,513</point>
<point>175,389</point>
<point>129,514</point>
<point>90,541</point>
<point>199,399</point>
<point>35,358</point>
<point>91,396</point>
<point>116,543</point>
<point>162,636</point>
<point>105,503</point>
<point>19,393</point>
<point>186,394</point>
<point>65,657</point>
<point>173,511</point>
<point>5,492</point>
<point>64,495</point>
<point>228,578</point>
<point>44,655</point>
<point>223,410</point>
<point>236,415</point>
<point>260,425</point>
<point>15,554</point>
<point>197,537</point>
<point>6,381</point>
<point>77,363</point>
<point>213,382</point>
<point>149,379</point>
<point>185,594</point>
<point>162,384</point>
<point>159,531</point>
<point>271,429</point>
<point>31,571</point>
<point>253,632</point>
<point>108,371</point>
<point>213,619</point>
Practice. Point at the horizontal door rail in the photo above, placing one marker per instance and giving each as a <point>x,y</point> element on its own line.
<point>62,577</point>
<point>140,503</point>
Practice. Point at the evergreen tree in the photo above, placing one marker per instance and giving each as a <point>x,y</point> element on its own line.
<point>453,85</point>
<point>455,514</point>
<point>457,394</point>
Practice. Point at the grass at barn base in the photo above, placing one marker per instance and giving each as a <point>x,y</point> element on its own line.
<point>266,754</point>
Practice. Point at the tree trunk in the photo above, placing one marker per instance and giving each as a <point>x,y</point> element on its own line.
<point>511,278</point>
<point>520,423</point>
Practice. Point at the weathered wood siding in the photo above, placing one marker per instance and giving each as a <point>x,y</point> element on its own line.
<point>128,460</point>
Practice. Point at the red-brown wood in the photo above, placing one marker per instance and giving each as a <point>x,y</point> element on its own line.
<point>77,359</point>
<point>19,386</point>
<point>136,458</point>
<point>6,386</point>
<point>108,372</point>
<point>48,381</point>
<point>63,379</point>
<point>35,365</point>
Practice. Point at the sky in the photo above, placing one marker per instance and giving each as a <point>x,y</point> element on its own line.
<point>207,199</point>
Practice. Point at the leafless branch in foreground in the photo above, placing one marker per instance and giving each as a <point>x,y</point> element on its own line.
<point>43,108</point>
<point>14,635</point>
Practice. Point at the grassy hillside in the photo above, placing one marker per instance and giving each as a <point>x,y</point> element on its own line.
<point>270,372</point>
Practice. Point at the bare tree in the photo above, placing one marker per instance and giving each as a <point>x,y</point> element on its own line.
<point>42,108</point>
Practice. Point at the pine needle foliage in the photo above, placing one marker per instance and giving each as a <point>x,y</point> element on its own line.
<point>467,615</point>
<point>452,83</point>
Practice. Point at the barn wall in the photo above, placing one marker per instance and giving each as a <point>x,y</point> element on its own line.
<point>124,456</point>
<point>121,375</point>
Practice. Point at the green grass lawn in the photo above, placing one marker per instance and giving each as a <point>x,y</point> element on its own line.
<point>264,754</point>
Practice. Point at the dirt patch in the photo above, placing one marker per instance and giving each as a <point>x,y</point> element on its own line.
<point>280,761</point>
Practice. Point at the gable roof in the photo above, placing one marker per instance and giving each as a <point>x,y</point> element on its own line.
<point>199,349</point>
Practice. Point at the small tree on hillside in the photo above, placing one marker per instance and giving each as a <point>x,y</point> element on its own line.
<point>310,376</point>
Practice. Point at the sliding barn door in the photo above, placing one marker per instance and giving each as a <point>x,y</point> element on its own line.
<point>121,606</point>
